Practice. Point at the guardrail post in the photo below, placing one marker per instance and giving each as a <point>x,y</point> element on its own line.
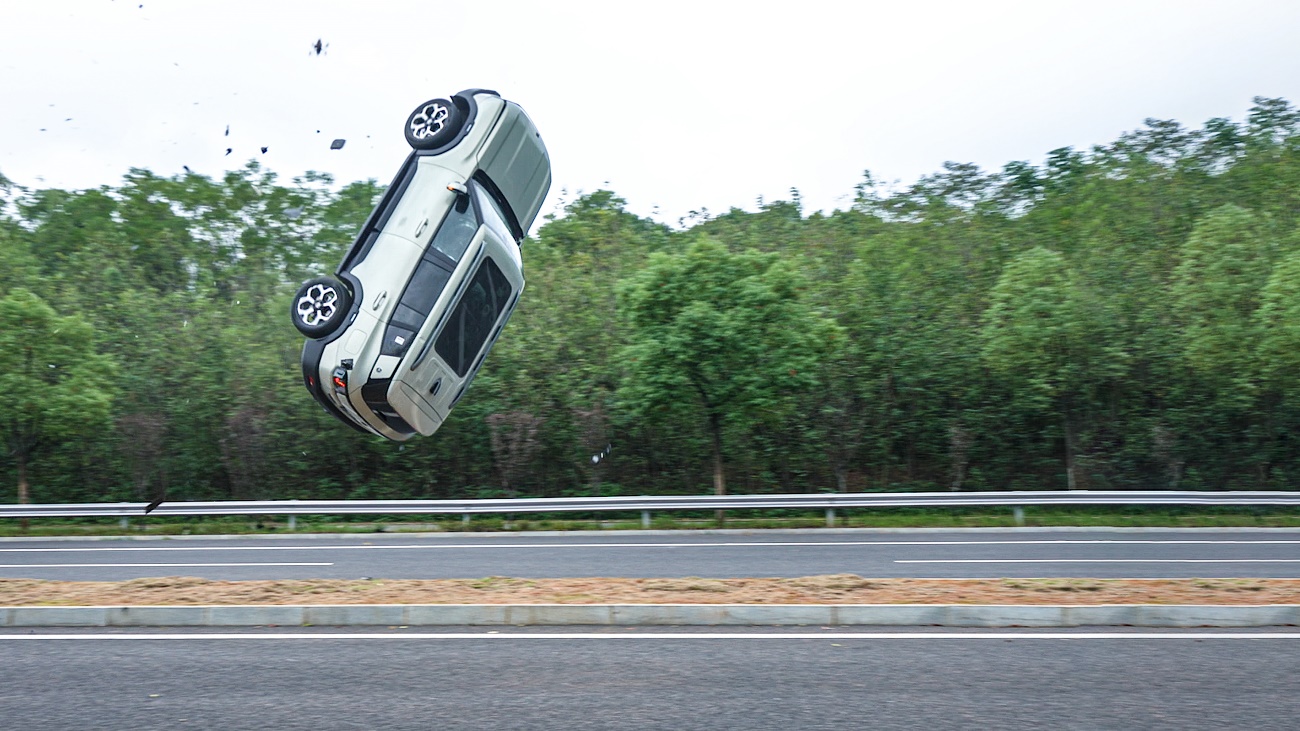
<point>830,517</point>
<point>1018,512</point>
<point>645,520</point>
<point>464,519</point>
<point>125,522</point>
<point>293,522</point>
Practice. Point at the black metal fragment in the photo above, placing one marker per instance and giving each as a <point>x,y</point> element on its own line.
<point>338,144</point>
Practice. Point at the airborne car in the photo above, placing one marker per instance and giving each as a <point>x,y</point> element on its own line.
<point>397,334</point>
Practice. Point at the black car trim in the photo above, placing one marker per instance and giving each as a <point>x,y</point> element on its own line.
<point>318,393</point>
<point>375,394</point>
<point>314,349</point>
<point>512,220</point>
<point>379,216</point>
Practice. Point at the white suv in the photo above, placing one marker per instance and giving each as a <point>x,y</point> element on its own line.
<point>395,338</point>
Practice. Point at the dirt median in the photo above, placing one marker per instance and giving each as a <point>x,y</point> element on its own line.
<point>828,589</point>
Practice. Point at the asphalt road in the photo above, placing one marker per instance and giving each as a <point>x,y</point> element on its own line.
<point>617,678</point>
<point>931,554</point>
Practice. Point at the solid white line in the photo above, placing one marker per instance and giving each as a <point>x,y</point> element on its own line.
<point>827,637</point>
<point>1099,560</point>
<point>728,544</point>
<point>147,565</point>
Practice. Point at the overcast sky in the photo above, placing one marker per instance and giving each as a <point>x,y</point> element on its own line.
<point>674,105</point>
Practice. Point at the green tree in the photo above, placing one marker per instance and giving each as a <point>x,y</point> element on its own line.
<point>1215,292</point>
<point>1053,343</point>
<point>726,334</point>
<point>57,387</point>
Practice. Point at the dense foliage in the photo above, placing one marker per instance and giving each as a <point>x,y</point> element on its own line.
<point>1122,317</point>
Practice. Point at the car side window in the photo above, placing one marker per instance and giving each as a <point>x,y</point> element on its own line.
<point>472,319</point>
<point>456,231</point>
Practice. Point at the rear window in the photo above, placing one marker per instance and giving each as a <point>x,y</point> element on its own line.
<point>471,321</point>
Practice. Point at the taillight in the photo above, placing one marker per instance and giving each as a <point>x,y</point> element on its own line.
<point>340,380</point>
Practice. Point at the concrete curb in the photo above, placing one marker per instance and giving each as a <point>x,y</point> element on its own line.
<point>424,615</point>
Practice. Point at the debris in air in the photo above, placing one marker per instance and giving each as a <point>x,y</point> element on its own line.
<point>293,213</point>
<point>229,150</point>
<point>264,149</point>
<point>156,501</point>
<point>338,144</point>
<point>227,130</point>
<point>319,47</point>
<point>187,168</point>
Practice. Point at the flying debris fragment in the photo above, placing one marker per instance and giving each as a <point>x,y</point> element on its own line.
<point>187,168</point>
<point>293,213</point>
<point>227,130</point>
<point>319,47</point>
<point>264,149</point>
<point>229,150</point>
<point>338,144</point>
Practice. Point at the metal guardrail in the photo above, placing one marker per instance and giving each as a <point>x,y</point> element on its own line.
<point>651,503</point>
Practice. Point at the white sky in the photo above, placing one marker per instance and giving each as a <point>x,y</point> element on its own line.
<point>673,105</point>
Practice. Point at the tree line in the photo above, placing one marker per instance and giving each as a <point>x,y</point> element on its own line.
<point>1123,317</point>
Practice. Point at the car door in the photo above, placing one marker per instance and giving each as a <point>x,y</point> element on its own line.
<point>472,324</point>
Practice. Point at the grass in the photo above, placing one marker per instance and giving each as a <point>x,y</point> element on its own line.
<point>1091,516</point>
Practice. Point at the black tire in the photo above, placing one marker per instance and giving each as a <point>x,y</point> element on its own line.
<point>434,124</point>
<point>320,306</point>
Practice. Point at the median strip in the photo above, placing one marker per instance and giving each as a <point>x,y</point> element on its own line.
<point>837,599</point>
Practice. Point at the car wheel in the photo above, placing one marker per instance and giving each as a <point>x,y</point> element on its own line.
<point>433,124</point>
<point>320,306</point>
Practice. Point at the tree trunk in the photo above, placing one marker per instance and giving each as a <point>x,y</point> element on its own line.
<point>719,477</point>
<point>1071,466</point>
<point>22,484</point>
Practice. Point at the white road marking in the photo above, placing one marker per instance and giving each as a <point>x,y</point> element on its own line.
<point>728,544</point>
<point>827,637</point>
<point>147,565</point>
<point>1099,560</point>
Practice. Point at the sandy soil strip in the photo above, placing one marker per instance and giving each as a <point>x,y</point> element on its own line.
<point>830,589</point>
